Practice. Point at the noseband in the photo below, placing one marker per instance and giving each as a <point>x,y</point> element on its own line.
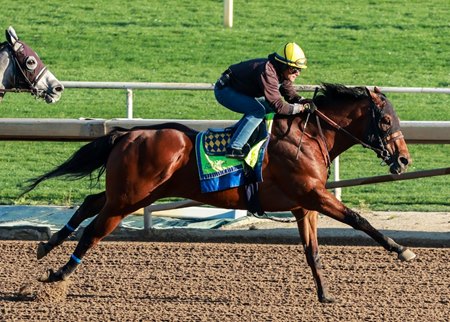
<point>22,58</point>
<point>375,138</point>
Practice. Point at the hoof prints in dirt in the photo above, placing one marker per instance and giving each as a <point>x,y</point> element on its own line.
<point>149,281</point>
<point>42,292</point>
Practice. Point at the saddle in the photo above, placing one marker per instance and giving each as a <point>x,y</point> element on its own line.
<point>216,140</point>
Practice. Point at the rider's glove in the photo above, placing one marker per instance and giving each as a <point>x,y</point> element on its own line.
<point>308,105</point>
<point>305,104</point>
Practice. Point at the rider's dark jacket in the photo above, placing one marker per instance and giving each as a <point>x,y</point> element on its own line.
<point>262,77</point>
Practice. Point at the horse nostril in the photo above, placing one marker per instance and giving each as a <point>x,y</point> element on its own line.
<point>403,160</point>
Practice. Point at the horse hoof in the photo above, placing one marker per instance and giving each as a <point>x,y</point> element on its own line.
<point>50,277</point>
<point>327,299</point>
<point>406,255</point>
<point>45,277</point>
<point>41,251</point>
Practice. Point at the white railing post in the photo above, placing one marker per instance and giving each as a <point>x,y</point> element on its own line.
<point>129,103</point>
<point>148,221</point>
<point>228,13</point>
<point>337,191</point>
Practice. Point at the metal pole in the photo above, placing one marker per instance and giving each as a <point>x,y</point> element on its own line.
<point>389,177</point>
<point>337,191</point>
<point>129,103</point>
<point>148,222</point>
<point>228,13</point>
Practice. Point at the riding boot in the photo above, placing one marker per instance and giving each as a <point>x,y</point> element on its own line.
<point>238,147</point>
<point>238,153</point>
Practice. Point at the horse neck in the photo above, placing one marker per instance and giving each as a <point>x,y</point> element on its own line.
<point>352,117</point>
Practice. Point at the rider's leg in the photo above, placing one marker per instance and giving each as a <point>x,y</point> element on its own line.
<point>248,124</point>
<point>252,108</point>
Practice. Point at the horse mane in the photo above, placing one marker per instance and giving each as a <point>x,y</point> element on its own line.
<point>329,92</point>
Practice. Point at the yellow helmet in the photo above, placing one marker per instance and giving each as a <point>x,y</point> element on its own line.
<point>291,54</point>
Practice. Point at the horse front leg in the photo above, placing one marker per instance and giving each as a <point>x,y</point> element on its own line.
<point>307,226</point>
<point>98,229</point>
<point>355,220</point>
<point>91,206</point>
<point>326,203</point>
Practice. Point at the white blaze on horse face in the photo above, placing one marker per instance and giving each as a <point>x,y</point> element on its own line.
<point>49,87</point>
<point>6,70</point>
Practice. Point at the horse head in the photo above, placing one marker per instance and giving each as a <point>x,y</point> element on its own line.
<point>385,135</point>
<point>21,69</point>
<point>367,117</point>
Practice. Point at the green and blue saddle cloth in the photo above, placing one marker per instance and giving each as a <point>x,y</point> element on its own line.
<point>216,171</point>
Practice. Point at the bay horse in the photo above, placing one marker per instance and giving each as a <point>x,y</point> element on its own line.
<point>145,164</point>
<point>21,70</point>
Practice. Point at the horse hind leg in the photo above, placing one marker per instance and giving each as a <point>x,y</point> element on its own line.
<point>99,228</point>
<point>307,226</point>
<point>91,206</point>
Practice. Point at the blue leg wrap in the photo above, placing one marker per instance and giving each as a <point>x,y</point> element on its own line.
<point>75,259</point>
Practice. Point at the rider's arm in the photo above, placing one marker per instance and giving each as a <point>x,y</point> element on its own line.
<point>271,87</point>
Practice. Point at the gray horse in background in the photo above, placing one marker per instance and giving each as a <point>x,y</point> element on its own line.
<point>21,70</point>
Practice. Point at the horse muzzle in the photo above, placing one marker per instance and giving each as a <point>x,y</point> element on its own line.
<point>49,88</point>
<point>53,96</point>
<point>399,164</point>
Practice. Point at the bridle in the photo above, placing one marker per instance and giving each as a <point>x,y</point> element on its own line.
<point>376,139</point>
<point>30,76</point>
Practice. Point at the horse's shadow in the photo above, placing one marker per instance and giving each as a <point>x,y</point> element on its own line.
<point>16,297</point>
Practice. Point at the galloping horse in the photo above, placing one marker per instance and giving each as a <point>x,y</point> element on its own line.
<point>21,70</point>
<point>145,164</point>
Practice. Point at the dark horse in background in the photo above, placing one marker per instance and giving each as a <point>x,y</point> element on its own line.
<point>21,70</point>
<point>146,164</point>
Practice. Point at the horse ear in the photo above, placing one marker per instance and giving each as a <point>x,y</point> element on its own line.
<point>376,89</point>
<point>371,94</point>
<point>11,36</point>
<point>376,98</point>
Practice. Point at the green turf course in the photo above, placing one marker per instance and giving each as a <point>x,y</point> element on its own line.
<point>386,43</point>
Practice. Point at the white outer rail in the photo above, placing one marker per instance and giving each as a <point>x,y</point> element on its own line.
<point>53,129</point>
<point>129,86</point>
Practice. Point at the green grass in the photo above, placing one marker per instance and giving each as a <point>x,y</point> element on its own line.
<point>385,43</point>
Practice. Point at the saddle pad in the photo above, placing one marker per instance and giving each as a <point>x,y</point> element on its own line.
<point>216,172</point>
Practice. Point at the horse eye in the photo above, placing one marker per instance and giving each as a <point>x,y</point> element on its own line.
<point>31,63</point>
<point>385,123</point>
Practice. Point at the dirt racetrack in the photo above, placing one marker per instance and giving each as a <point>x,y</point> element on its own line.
<point>152,281</point>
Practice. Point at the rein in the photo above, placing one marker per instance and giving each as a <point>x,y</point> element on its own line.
<point>327,156</point>
<point>382,152</point>
<point>339,128</point>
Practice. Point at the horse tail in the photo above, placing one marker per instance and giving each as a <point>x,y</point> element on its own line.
<point>83,162</point>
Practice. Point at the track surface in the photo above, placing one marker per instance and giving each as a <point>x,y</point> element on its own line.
<point>123,281</point>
